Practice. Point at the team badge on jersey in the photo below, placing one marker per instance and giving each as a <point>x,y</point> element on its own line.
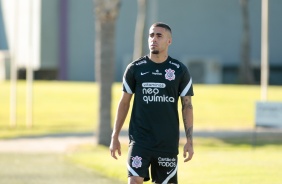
<point>169,75</point>
<point>136,162</point>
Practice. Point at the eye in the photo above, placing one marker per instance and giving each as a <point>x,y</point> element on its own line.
<point>159,35</point>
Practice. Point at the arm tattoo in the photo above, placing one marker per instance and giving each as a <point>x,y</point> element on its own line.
<point>187,105</point>
<point>189,133</point>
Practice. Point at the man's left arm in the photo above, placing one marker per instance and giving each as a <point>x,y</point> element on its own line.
<point>187,114</point>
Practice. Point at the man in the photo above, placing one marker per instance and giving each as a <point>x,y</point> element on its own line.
<point>157,80</point>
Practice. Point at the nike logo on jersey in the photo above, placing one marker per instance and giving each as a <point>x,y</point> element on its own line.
<point>144,73</point>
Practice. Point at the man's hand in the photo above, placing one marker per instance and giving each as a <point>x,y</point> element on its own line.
<point>188,148</point>
<point>115,146</point>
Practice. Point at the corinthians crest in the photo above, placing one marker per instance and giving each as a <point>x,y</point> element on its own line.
<point>136,162</point>
<point>169,74</point>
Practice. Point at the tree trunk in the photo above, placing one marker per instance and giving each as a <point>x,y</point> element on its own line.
<point>106,12</point>
<point>139,29</point>
<point>245,69</point>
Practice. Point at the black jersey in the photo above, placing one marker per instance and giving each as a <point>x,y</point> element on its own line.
<point>154,122</point>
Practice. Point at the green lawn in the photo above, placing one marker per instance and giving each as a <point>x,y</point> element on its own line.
<point>61,107</point>
<point>58,107</point>
<point>216,161</point>
<point>72,107</point>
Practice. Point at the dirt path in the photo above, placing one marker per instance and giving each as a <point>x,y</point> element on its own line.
<point>64,142</point>
<point>46,144</point>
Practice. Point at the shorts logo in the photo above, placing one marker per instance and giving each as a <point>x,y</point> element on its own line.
<point>169,75</point>
<point>136,162</point>
<point>169,171</point>
<point>167,162</point>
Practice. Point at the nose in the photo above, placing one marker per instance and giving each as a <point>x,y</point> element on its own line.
<point>153,39</point>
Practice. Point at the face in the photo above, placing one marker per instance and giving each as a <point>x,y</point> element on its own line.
<point>159,40</point>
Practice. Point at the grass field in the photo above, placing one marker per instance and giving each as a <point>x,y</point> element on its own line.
<point>61,107</point>
<point>72,107</point>
<point>216,161</point>
<point>58,107</point>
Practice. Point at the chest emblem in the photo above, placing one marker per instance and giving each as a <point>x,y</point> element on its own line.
<point>169,74</point>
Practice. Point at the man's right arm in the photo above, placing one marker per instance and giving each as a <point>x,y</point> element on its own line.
<point>122,111</point>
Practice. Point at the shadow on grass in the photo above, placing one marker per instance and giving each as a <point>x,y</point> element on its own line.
<point>251,140</point>
<point>256,140</point>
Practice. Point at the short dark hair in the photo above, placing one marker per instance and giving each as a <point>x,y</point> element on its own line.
<point>163,25</point>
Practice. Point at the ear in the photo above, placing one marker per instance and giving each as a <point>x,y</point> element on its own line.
<point>169,41</point>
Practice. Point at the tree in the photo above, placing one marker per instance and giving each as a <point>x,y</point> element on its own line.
<point>106,12</point>
<point>139,29</point>
<point>245,69</point>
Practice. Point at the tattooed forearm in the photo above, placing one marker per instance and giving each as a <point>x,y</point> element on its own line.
<point>189,133</point>
<point>187,114</point>
<point>190,105</point>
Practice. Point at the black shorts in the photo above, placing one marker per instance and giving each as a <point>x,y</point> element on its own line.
<point>163,165</point>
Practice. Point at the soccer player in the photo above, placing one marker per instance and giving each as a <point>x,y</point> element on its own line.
<point>156,80</point>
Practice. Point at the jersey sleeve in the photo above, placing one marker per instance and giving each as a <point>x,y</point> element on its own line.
<point>128,81</point>
<point>186,86</point>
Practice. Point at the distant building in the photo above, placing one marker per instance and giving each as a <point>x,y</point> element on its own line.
<point>206,36</point>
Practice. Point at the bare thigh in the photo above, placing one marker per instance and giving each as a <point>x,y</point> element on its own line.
<point>135,180</point>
